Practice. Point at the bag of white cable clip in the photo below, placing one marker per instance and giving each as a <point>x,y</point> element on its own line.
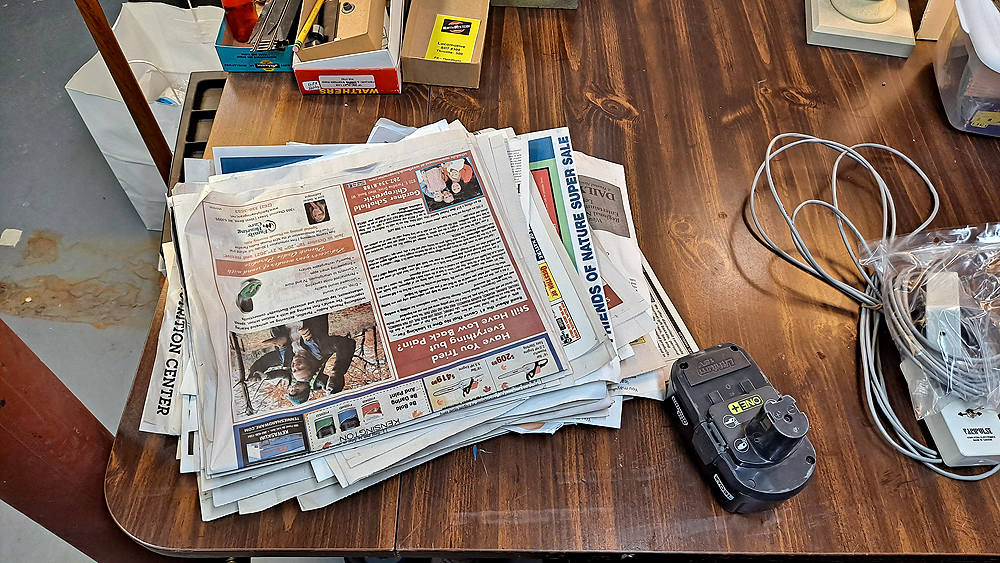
<point>940,300</point>
<point>967,67</point>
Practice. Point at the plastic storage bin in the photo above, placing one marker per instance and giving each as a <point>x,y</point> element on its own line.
<point>967,67</point>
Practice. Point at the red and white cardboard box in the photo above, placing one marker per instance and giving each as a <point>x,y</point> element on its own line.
<point>374,72</point>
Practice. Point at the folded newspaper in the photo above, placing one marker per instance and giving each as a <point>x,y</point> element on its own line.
<point>337,314</point>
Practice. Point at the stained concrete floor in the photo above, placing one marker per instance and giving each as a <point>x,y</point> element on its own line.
<point>84,258</point>
<point>81,237</point>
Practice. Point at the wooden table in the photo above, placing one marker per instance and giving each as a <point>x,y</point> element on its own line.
<point>686,95</point>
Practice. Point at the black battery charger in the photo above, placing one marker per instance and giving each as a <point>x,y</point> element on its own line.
<point>748,440</point>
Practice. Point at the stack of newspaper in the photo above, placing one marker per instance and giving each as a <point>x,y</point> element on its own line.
<point>338,314</point>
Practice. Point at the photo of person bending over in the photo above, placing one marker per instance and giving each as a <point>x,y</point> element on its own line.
<point>276,364</point>
<point>301,358</point>
<point>316,336</point>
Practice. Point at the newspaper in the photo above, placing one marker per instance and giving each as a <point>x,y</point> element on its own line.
<point>365,247</point>
<point>302,277</point>
<point>580,330</point>
<point>289,481</point>
<point>609,212</point>
<point>253,157</point>
<point>162,410</point>
<point>552,169</point>
<point>657,351</point>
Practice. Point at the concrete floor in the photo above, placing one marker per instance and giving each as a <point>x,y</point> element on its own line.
<point>81,237</point>
<point>56,187</point>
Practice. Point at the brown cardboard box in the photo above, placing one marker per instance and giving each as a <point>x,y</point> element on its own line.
<point>370,72</point>
<point>417,37</point>
<point>362,29</point>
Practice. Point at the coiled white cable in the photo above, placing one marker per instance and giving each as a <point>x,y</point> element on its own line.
<point>872,306</point>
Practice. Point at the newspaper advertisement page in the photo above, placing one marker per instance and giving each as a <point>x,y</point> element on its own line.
<point>580,331</point>
<point>446,282</point>
<point>161,413</point>
<point>577,324</point>
<point>550,156</point>
<point>656,352</point>
<point>605,198</point>
<point>358,306</point>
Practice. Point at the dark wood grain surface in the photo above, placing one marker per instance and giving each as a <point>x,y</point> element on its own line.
<point>686,95</point>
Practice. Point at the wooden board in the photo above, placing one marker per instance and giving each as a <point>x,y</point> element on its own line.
<point>54,457</point>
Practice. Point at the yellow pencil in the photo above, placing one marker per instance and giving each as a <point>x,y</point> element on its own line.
<point>308,25</point>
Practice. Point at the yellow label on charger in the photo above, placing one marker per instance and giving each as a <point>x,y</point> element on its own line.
<point>736,407</point>
<point>453,39</point>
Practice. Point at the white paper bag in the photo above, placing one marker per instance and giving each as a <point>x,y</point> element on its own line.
<point>164,45</point>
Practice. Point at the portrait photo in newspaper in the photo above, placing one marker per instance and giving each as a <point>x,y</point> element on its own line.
<point>316,211</point>
<point>448,183</point>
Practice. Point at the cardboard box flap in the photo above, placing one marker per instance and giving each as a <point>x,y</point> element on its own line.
<point>383,58</point>
<point>364,28</point>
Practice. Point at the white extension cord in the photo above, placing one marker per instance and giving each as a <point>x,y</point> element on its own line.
<point>872,306</point>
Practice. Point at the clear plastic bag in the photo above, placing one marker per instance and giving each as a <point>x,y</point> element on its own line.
<point>967,67</point>
<point>940,296</point>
